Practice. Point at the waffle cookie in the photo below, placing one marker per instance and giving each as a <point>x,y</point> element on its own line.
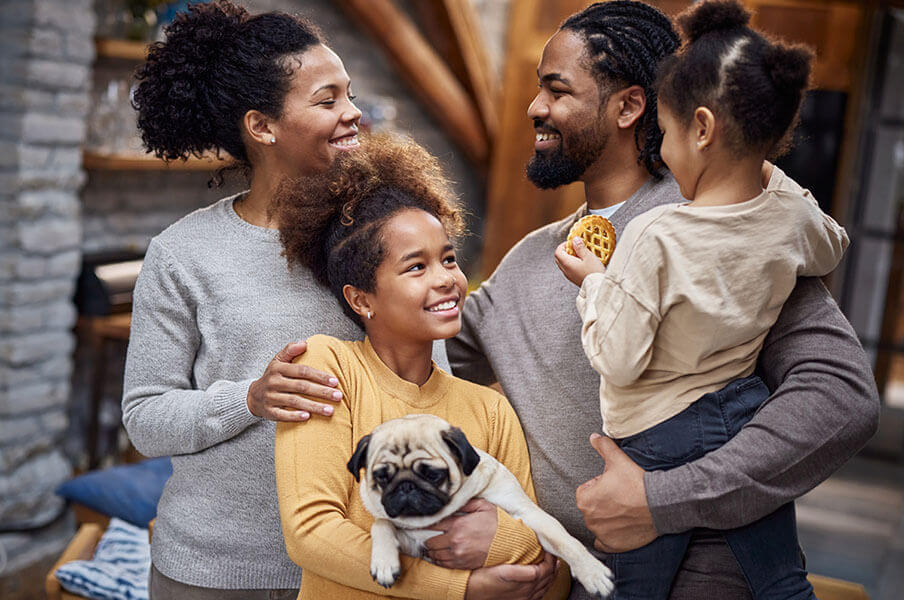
<point>598,235</point>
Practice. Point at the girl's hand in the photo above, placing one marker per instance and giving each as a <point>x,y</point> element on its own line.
<point>466,538</point>
<point>277,395</point>
<point>576,268</point>
<point>513,582</point>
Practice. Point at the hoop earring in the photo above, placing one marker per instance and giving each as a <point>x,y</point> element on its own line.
<point>370,315</point>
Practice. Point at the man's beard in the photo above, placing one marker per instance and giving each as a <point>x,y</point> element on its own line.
<point>550,169</point>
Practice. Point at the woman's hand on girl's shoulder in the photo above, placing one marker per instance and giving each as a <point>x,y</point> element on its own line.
<point>286,391</point>
<point>513,582</point>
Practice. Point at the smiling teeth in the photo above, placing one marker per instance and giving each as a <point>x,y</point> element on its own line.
<point>444,306</point>
<point>344,142</point>
<point>543,137</point>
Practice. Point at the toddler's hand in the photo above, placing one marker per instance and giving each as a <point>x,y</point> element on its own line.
<point>576,268</point>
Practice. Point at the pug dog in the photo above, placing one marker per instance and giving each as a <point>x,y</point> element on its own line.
<point>419,469</point>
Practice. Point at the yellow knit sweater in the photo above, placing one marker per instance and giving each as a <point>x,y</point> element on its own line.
<point>327,528</point>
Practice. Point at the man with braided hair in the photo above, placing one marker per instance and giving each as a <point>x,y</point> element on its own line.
<point>596,122</point>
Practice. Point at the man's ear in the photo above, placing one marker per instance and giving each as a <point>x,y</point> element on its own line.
<point>258,127</point>
<point>358,300</point>
<point>359,459</point>
<point>704,125</point>
<point>462,449</point>
<point>632,103</point>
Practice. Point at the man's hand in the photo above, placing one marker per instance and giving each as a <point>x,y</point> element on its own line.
<point>576,268</point>
<point>277,394</point>
<point>614,503</point>
<point>466,538</point>
<point>513,582</point>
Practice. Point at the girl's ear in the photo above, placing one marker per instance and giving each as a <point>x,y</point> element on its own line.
<point>259,127</point>
<point>704,126</point>
<point>358,300</point>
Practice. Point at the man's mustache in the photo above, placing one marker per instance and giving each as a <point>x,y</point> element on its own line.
<point>541,127</point>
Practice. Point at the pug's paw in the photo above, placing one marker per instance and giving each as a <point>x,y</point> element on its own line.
<point>594,576</point>
<point>385,570</point>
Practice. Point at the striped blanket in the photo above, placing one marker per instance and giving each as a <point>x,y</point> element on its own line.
<point>119,569</point>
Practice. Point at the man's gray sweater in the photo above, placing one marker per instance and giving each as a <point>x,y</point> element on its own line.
<point>522,329</point>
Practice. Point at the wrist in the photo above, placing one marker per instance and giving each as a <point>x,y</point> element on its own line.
<point>660,487</point>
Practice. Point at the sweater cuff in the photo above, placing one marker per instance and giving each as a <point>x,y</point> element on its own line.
<point>513,543</point>
<point>662,489</point>
<point>232,405</point>
<point>458,584</point>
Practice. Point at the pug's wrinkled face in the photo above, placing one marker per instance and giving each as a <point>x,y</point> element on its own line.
<point>414,465</point>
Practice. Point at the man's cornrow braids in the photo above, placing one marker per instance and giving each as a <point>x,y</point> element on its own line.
<point>627,40</point>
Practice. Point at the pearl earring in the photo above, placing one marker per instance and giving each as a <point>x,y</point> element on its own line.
<point>370,315</point>
<point>272,139</point>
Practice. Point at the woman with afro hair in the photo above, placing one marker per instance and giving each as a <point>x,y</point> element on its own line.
<point>215,303</point>
<point>378,231</point>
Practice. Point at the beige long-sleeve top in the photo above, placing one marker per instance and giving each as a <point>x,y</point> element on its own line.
<point>689,296</point>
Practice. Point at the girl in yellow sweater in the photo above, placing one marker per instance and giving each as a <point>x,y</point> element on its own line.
<point>376,230</point>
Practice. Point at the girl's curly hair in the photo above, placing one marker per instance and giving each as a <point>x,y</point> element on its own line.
<point>216,63</point>
<point>332,222</point>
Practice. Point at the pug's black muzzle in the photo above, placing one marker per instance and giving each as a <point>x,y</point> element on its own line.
<point>409,497</point>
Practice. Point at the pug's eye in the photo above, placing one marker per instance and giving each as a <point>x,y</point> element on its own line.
<point>434,476</point>
<point>381,476</point>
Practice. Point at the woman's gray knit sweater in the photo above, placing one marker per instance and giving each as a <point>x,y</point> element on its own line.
<point>215,301</point>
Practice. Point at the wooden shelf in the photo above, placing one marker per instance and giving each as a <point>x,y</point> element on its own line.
<point>124,49</point>
<point>121,162</point>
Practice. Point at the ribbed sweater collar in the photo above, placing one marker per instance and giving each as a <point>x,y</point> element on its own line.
<point>433,391</point>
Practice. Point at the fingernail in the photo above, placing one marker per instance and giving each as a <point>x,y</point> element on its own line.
<point>327,410</point>
<point>305,415</point>
<point>337,395</point>
<point>334,381</point>
<point>594,436</point>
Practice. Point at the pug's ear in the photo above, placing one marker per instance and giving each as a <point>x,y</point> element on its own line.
<point>462,449</point>
<point>359,459</point>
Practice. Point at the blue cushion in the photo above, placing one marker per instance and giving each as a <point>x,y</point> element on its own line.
<point>129,492</point>
<point>119,569</point>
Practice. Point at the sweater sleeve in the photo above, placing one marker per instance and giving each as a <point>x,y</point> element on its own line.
<point>313,487</point>
<point>824,408</point>
<point>162,412</point>
<point>623,304</point>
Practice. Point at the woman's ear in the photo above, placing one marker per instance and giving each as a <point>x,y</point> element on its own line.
<point>359,301</point>
<point>259,127</point>
<point>632,103</point>
<point>704,125</point>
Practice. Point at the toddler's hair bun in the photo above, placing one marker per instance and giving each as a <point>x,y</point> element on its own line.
<point>788,66</point>
<point>713,15</point>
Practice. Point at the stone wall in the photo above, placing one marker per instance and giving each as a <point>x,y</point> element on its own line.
<point>45,67</point>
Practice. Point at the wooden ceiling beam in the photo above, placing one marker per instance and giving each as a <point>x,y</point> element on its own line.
<point>427,74</point>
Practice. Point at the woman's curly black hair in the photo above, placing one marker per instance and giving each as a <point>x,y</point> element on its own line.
<point>754,84</point>
<point>626,40</point>
<point>332,222</point>
<point>217,62</point>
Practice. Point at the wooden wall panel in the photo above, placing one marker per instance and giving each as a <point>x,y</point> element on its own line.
<point>514,206</point>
